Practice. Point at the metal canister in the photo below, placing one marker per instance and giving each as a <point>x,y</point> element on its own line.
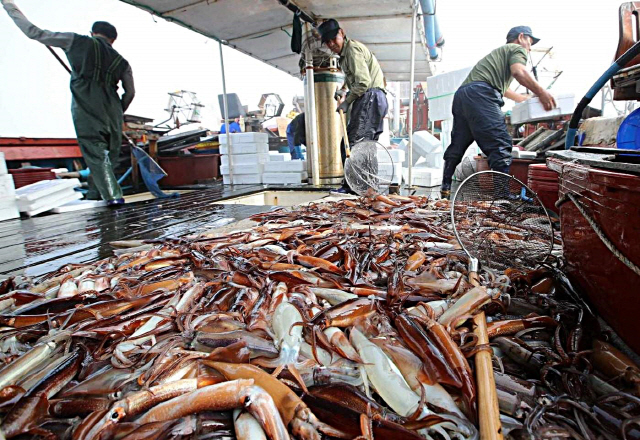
<point>329,125</point>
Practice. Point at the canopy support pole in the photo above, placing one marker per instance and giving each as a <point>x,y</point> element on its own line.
<point>226,114</point>
<point>411,82</point>
<point>310,117</point>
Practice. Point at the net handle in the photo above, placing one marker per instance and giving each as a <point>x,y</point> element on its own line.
<point>344,132</point>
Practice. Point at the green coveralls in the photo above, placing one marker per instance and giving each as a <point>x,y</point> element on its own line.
<point>97,110</point>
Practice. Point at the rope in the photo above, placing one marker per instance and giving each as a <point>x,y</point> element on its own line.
<point>600,233</point>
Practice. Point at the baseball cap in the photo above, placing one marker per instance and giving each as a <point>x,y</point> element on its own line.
<point>328,30</point>
<point>515,31</point>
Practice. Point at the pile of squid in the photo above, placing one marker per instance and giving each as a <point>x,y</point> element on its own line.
<point>346,320</point>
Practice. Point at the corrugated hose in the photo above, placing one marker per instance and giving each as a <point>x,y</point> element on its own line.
<point>606,76</point>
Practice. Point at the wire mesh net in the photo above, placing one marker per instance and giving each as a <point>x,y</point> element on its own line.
<point>501,222</point>
<point>369,167</point>
<point>312,44</point>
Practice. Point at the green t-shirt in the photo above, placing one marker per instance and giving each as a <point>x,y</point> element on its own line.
<point>495,68</point>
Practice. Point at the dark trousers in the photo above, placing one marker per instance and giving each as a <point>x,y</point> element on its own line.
<point>477,115</point>
<point>366,121</point>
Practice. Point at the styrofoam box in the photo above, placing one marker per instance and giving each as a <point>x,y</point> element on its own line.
<point>395,154</point>
<point>289,166</point>
<point>45,187</point>
<point>285,178</point>
<point>8,208</point>
<point>423,176</point>
<point>445,83</point>
<point>51,201</point>
<point>32,205</point>
<point>245,148</point>
<point>242,179</point>
<point>440,91</point>
<point>243,159</point>
<point>424,144</point>
<point>274,156</point>
<point>387,171</point>
<point>79,205</point>
<point>7,188</point>
<point>255,168</point>
<point>532,109</point>
<point>3,164</point>
<point>518,154</point>
<point>244,138</point>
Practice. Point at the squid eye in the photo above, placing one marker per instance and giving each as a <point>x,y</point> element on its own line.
<point>115,415</point>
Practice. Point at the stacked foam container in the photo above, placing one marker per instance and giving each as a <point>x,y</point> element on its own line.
<point>390,165</point>
<point>274,156</point>
<point>46,195</point>
<point>8,202</point>
<point>440,91</point>
<point>427,160</point>
<point>287,172</point>
<point>245,159</point>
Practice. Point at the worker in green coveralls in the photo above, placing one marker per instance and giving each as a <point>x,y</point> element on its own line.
<point>363,94</point>
<point>96,108</point>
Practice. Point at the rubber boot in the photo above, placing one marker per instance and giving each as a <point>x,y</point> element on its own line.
<point>447,176</point>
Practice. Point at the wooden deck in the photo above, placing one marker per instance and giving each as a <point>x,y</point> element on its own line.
<point>38,245</point>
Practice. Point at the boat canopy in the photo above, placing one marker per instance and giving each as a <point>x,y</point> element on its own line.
<point>262,28</point>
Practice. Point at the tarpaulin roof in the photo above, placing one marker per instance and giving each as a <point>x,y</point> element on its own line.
<point>262,28</point>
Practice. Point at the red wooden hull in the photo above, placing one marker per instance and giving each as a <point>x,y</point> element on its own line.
<point>37,149</point>
<point>613,201</point>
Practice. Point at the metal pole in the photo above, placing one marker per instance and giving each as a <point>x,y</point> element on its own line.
<point>396,110</point>
<point>411,81</point>
<point>310,118</point>
<point>226,113</point>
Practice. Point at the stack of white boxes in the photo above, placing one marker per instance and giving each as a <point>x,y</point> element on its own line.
<point>285,172</point>
<point>274,156</point>
<point>249,152</point>
<point>8,202</point>
<point>427,160</point>
<point>47,194</point>
<point>390,165</point>
<point>440,91</point>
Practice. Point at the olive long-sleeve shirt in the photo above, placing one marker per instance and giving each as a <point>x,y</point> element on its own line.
<point>64,40</point>
<point>361,69</point>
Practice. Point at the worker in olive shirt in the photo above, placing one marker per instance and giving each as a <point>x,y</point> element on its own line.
<point>96,108</point>
<point>477,113</point>
<point>363,96</point>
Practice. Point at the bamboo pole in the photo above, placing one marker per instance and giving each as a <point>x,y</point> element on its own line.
<point>488,410</point>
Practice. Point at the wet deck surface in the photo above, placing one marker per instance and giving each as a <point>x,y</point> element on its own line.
<point>38,245</point>
<point>35,246</point>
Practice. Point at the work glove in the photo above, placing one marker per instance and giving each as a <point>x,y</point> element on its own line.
<point>340,94</point>
<point>344,107</point>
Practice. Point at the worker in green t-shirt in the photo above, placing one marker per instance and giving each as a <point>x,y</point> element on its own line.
<point>477,114</point>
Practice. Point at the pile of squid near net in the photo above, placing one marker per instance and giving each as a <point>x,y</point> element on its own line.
<point>344,320</point>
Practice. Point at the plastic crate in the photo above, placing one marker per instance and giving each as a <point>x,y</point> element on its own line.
<point>27,176</point>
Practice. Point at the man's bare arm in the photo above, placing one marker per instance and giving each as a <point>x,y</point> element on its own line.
<point>520,73</point>
<point>514,96</point>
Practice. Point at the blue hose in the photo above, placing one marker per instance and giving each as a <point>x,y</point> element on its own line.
<point>431,28</point>
<point>584,102</point>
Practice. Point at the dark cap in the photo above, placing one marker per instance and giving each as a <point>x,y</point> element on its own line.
<point>328,30</point>
<point>104,28</point>
<point>514,32</point>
